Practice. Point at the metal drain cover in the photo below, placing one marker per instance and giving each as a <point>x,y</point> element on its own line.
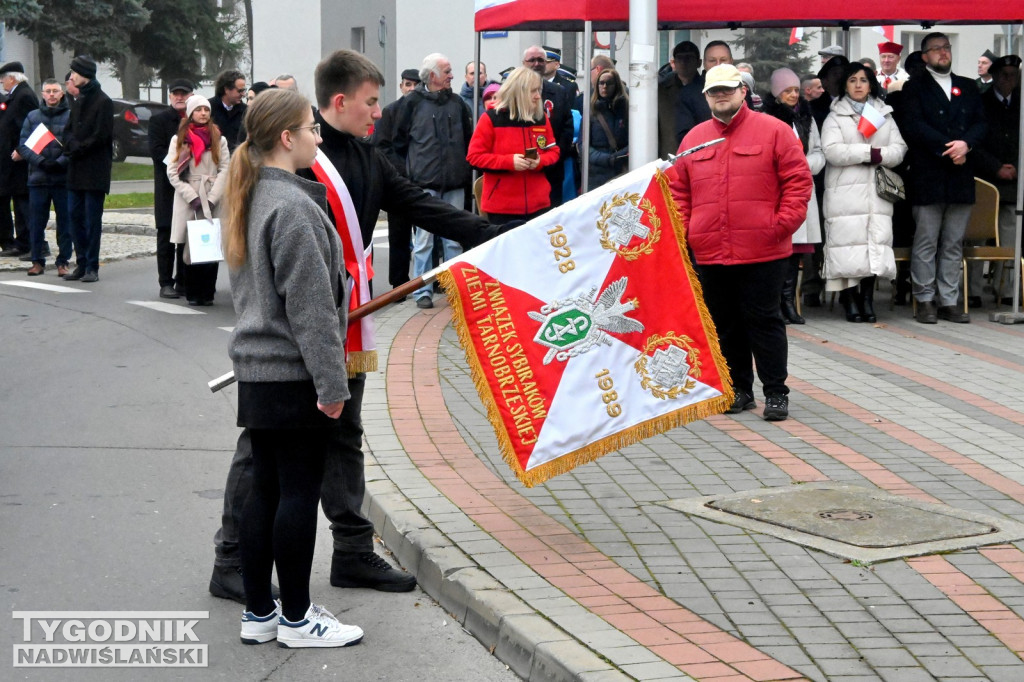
<point>853,522</point>
<point>851,516</point>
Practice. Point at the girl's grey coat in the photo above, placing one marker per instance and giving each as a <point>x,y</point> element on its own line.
<point>290,296</point>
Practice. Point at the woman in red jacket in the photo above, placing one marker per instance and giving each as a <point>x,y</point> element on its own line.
<point>511,146</point>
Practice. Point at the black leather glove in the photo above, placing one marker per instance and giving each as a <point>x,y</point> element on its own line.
<point>196,205</point>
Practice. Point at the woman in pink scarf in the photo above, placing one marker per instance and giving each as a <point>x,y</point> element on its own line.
<point>197,167</point>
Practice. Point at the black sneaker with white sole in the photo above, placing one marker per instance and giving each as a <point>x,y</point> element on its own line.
<point>776,408</point>
<point>742,401</point>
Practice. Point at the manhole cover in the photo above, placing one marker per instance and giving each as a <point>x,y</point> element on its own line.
<point>852,516</point>
<point>852,522</point>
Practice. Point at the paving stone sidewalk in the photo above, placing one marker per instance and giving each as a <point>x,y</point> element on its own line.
<point>591,577</point>
<point>125,235</point>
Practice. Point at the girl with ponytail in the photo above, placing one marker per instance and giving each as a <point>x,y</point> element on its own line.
<point>288,351</point>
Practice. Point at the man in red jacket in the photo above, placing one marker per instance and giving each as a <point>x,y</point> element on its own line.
<point>741,201</point>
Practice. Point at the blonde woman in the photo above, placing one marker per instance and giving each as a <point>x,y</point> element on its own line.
<point>197,167</point>
<point>512,144</point>
<point>287,281</point>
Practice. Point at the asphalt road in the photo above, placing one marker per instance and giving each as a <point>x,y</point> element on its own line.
<point>113,455</point>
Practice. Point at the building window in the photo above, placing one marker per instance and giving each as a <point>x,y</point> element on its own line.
<point>359,38</point>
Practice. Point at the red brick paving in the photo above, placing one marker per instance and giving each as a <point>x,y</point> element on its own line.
<point>675,634</point>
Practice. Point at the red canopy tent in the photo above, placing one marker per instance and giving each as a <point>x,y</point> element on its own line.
<point>591,15</point>
<point>570,15</point>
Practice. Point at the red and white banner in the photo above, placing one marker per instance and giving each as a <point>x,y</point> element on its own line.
<point>585,329</point>
<point>870,121</point>
<point>796,35</point>
<point>360,343</point>
<point>39,139</point>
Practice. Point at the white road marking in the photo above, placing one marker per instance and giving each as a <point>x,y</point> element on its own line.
<point>227,329</point>
<point>45,287</point>
<point>169,308</point>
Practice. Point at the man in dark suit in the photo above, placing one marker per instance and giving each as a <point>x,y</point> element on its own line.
<point>162,129</point>
<point>13,168</point>
<point>997,158</point>
<point>558,104</point>
<point>945,123</point>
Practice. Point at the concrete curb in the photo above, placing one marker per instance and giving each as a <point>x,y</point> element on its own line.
<point>531,645</point>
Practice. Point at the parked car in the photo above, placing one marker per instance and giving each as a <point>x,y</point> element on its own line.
<point>131,126</point>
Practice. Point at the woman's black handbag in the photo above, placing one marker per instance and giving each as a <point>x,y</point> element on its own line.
<point>889,185</point>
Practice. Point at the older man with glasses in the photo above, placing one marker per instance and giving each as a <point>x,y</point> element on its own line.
<point>558,105</point>
<point>944,123</point>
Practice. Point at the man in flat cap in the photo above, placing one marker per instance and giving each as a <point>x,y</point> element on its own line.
<point>984,79</point>
<point>889,56</point>
<point>89,145</point>
<point>14,236</point>
<point>827,53</point>
<point>162,128</point>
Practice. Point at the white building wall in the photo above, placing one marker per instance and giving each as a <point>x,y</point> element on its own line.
<point>287,39</point>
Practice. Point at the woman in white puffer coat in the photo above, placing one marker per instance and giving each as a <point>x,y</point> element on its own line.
<point>858,222</point>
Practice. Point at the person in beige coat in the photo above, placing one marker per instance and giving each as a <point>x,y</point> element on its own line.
<point>858,222</point>
<point>197,165</point>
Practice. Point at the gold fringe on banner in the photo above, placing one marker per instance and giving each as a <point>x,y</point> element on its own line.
<point>698,291</point>
<point>617,441</point>
<point>361,361</point>
<point>476,371</point>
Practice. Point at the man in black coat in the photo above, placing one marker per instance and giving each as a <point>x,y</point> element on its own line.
<point>89,145</point>
<point>558,105</point>
<point>997,158</point>
<point>14,237</point>
<point>945,122</point>
<point>163,127</point>
<point>347,87</point>
<point>399,228</point>
<point>227,108</point>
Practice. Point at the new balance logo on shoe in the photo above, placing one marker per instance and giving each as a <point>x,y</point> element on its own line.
<point>318,629</point>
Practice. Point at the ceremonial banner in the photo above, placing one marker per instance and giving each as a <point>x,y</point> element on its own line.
<point>585,329</point>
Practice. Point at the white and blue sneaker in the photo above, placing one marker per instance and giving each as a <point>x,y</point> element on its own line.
<point>260,629</point>
<point>319,628</point>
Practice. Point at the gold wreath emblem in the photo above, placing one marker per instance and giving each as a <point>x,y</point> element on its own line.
<point>692,357</point>
<point>645,247</point>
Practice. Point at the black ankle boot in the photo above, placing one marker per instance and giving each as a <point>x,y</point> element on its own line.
<point>367,569</point>
<point>850,300</point>
<point>789,313</point>
<point>867,299</point>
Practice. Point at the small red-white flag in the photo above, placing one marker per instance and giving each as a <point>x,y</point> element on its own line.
<point>39,138</point>
<point>796,35</point>
<point>870,120</point>
<point>888,31</point>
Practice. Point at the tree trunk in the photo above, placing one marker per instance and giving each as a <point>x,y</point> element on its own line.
<point>131,71</point>
<point>45,52</point>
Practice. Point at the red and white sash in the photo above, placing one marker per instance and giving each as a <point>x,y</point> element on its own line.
<point>360,346</point>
